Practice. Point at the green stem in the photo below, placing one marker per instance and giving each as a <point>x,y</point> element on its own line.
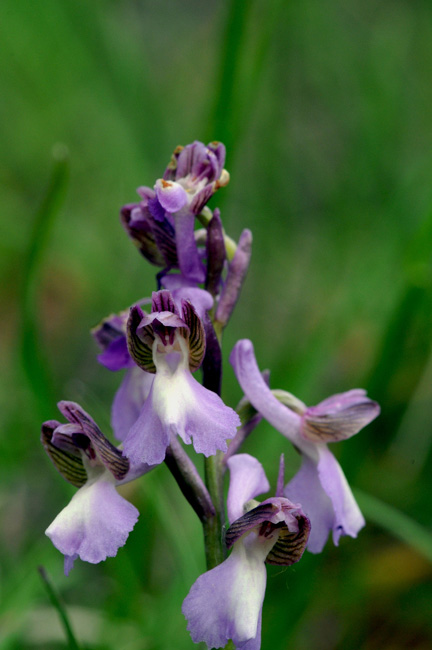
<point>213,526</point>
<point>55,600</point>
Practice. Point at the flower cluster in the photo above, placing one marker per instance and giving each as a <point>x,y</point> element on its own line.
<point>161,342</point>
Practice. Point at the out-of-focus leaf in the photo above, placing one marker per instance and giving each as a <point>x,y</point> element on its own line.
<point>58,605</point>
<point>396,523</point>
<point>32,354</point>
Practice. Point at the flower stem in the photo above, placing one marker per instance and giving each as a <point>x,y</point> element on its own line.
<point>189,481</point>
<point>213,526</point>
<point>213,466</point>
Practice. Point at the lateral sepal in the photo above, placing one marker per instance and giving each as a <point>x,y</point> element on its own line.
<point>67,461</point>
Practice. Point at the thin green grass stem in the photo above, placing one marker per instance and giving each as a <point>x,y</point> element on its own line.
<point>235,29</point>
<point>33,359</point>
<point>396,523</point>
<point>55,600</point>
<point>241,70</point>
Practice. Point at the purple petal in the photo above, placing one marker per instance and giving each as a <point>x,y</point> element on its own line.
<point>236,275</point>
<point>322,489</point>
<point>146,193</point>
<point>148,438</point>
<point>187,252</point>
<point>215,252</point>
<point>190,158</point>
<point>255,643</point>
<point>69,562</point>
<point>95,524</point>
<point>201,300</point>
<point>156,210</point>
<point>260,396</point>
<point>178,404</point>
<point>129,400</point>
<point>339,417</point>
<point>226,602</point>
<point>247,480</point>
<point>306,488</point>
<point>279,523</point>
<point>92,441</point>
<point>138,222</point>
<point>204,417</point>
<point>116,356</point>
<point>348,518</point>
<point>63,453</point>
<point>171,195</point>
<point>174,281</point>
<point>201,198</point>
<point>340,401</point>
<point>163,301</point>
<point>219,150</point>
<point>196,341</point>
<point>110,329</point>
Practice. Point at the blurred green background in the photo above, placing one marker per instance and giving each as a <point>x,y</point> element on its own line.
<point>326,112</point>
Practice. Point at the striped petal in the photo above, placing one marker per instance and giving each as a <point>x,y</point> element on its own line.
<point>279,519</point>
<point>195,335</point>
<point>140,347</point>
<point>109,456</point>
<point>68,462</point>
<point>339,417</point>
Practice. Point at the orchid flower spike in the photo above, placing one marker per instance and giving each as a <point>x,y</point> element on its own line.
<point>170,342</point>
<point>97,520</point>
<point>134,389</point>
<point>320,484</point>
<point>226,602</point>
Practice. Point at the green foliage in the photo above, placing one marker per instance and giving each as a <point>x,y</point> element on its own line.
<point>326,113</point>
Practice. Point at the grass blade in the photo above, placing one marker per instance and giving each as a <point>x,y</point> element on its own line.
<point>32,357</point>
<point>221,127</point>
<point>241,67</point>
<point>396,523</point>
<point>55,600</point>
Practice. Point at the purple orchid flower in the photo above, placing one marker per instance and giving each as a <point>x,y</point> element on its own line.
<point>171,344</point>
<point>320,484</point>
<point>226,602</point>
<point>192,177</point>
<point>97,521</point>
<point>135,387</point>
